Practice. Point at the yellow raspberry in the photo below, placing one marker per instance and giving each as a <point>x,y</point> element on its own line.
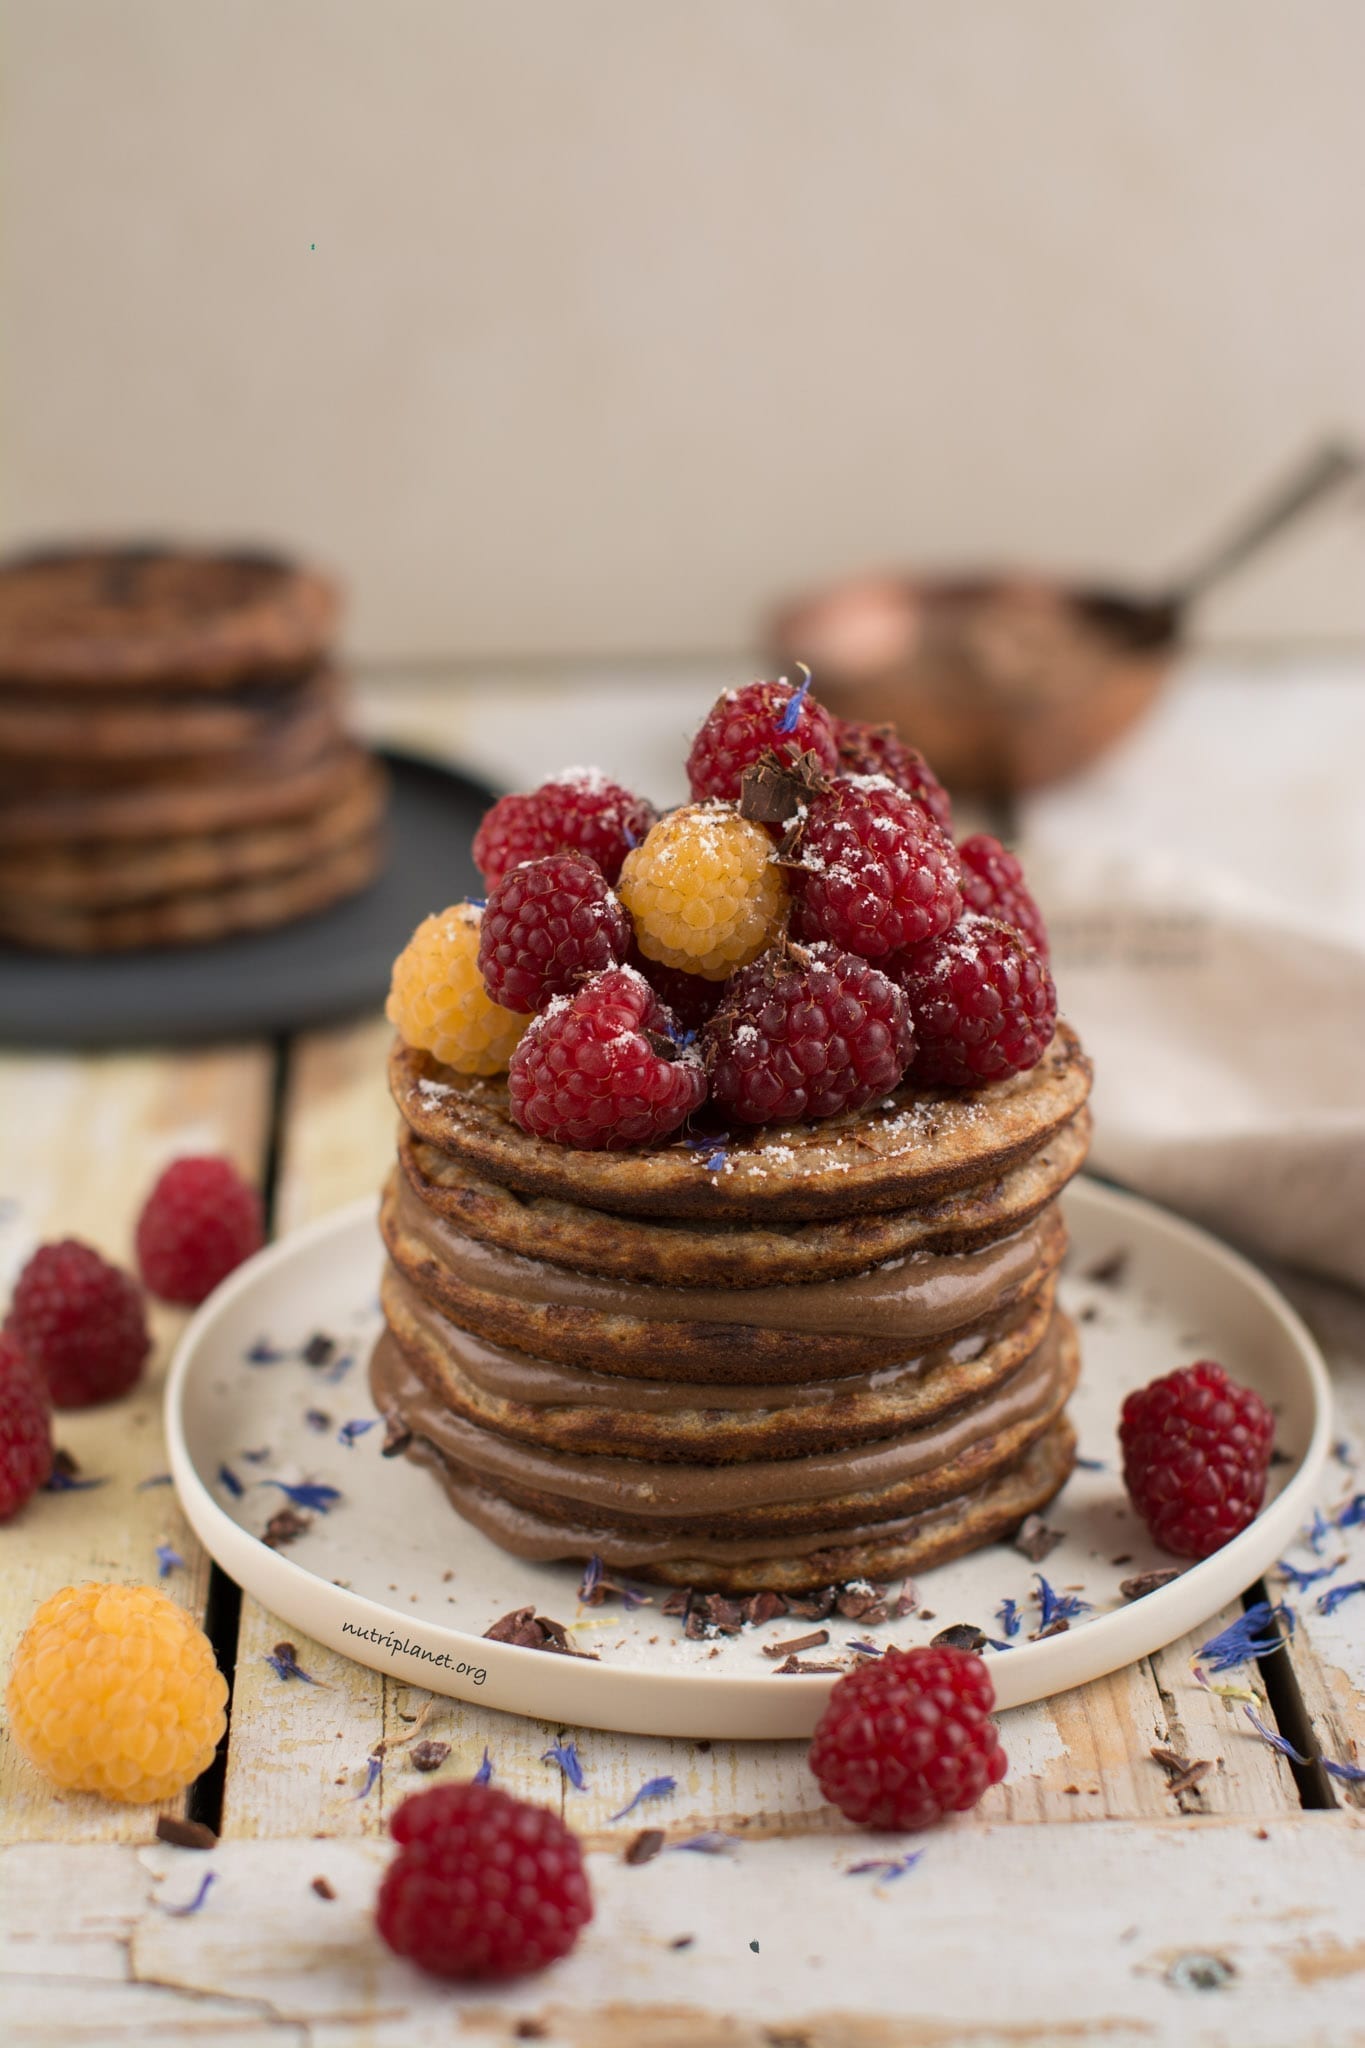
<point>438,1000</point>
<point>114,1689</point>
<point>703,891</point>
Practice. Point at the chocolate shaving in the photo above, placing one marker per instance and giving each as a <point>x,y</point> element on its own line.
<point>816,1640</point>
<point>1183,1774</point>
<point>428,1754</point>
<point>529,2030</point>
<point>682,1941</point>
<point>761,1607</point>
<point>815,1606</point>
<point>645,1846</point>
<point>662,1048</point>
<point>396,1437</point>
<point>904,1603</point>
<point>1148,1582</point>
<point>184,1834</point>
<point>1035,1540</point>
<point>323,1888</point>
<point>318,1350</point>
<point>284,1525</point>
<point>962,1635</point>
<point>679,1602</point>
<point>1108,1272</point>
<point>862,1602</point>
<point>793,1665</point>
<point>1057,1627</point>
<point>531,1631</point>
<point>776,789</point>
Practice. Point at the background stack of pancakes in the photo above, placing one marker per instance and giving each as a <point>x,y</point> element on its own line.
<point>806,1354</point>
<point>173,762</point>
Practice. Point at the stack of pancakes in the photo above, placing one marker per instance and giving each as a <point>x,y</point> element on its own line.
<point>173,762</point>
<point>802,1355</point>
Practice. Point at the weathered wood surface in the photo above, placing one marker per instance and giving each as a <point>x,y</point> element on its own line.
<point>997,1937</point>
<point>83,1141</point>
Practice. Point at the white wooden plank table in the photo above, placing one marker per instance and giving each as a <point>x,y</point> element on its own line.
<point>1082,1902</point>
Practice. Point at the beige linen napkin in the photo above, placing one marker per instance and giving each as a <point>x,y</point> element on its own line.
<point>1229,1050</point>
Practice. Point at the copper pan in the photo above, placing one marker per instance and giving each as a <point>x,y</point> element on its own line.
<point>1007,682</point>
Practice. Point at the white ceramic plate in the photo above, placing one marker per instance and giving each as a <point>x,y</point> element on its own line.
<point>391,1576</point>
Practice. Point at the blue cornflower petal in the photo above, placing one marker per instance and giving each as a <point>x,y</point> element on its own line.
<point>1009,1617</point>
<point>566,1756</point>
<point>210,1877</point>
<point>372,1768</point>
<point>349,1431</point>
<point>792,709</point>
<point>1279,1742</point>
<point>228,1478</point>
<point>156,1479</point>
<point>1252,1635</point>
<point>286,1665</point>
<point>885,1866</point>
<point>168,1561</point>
<point>653,1788</point>
<point>1328,1602</point>
<point>1056,1606</point>
<point>307,1495</point>
<point>58,1481</point>
<point>1301,1579</point>
<point>485,1770</point>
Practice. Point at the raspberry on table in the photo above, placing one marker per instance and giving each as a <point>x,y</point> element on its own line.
<point>81,1322</point>
<point>876,872</point>
<point>909,1739</point>
<point>483,1885</point>
<point>983,1003</point>
<point>743,724</point>
<point>197,1225</point>
<point>806,1034</point>
<point>703,891</point>
<point>880,750</point>
<point>1196,1451</point>
<point>437,1000</point>
<point>114,1690</point>
<point>25,1429</point>
<point>547,926</point>
<point>580,810</point>
<point>993,883</point>
<point>603,1069</point>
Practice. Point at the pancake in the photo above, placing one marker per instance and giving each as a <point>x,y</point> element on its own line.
<point>572,1408</point>
<point>109,618</point>
<point>919,1146</point>
<point>893,1506</point>
<point>141,731</point>
<point>199,915</point>
<point>778,1333</point>
<point>174,808</point>
<point>683,1252</point>
<point>98,875</point>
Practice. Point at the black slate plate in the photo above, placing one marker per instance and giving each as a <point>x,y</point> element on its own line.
<point>313,972</point>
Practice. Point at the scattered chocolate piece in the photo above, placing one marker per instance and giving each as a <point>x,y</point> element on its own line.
<point>284,1525</point>
<point>704,1747</point>
<point>323,1888</point>
<point>317,1418</point>
<point>793,1665</point>
<point>774,791</point>
<point>859,1600</point>
<point>1072,1791</point>
<point>428,1754</point>
<point>726,1617</point>
<point>184,1834</point>
<point>679,1602</point>
<point>1279,1457</point>
<point>927,1614</point>
<point>904,1603</point>
<point>682,1941</point>
<point>1127,1558</point>
<point>63,1464</point>
<point>962,1635</point>
<point>815,1606</point>
<point>396,1438</point>
<point>1035,1540</point>
<point>1057,1627</point>
<point>529,2030</point>
<point>1148,1582</point>
<point>1183,1773</point>
<point>1108,1272</point>
<point>318,1350</point>
<point>816,1640</point>
<point>532,1631</point>
<point>761,1607</point>
<point>645,1846</point>
<point>1090,1314</point>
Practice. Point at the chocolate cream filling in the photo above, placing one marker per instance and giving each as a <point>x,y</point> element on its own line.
<point>540,1383</point>
<point>635,1486</point>
<point>920,1296</point>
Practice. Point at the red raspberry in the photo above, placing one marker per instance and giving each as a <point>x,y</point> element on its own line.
<point>993,883</point>
<point>604,1069</point>
<point>1196,1450</point>
<point>25,1429</point>
<point>483,1885</point>
<point>982,1002</point>
<point>806,1034</point>
<point>82,1323</point>
<point>876,872</point>
<point>546,927</point>
<point>579,810</point>
<point>197,1225</point>
<point>880,750</point>
<point>691,997</point>
<point>745,723</point>
<point>909,1739</point>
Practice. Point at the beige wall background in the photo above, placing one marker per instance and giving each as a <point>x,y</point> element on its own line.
<point>591,325</point>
